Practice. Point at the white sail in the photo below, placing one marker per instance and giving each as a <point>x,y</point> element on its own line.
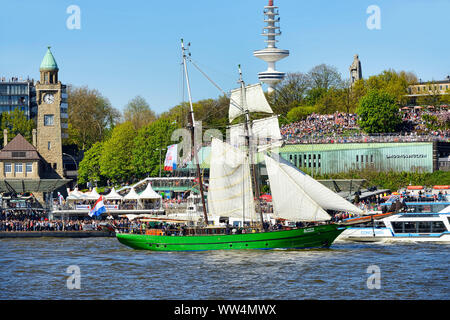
<point>290,201</point>
<point>265,133</point>
<point>326,198</point>
<point>323,196</point>
<point>230,191</point>
<point>254,101</point>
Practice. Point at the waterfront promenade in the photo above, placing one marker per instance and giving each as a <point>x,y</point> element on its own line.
<point>56,234</point>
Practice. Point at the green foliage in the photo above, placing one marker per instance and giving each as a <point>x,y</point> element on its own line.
<point>89,169</point>
<point>392,82</point>
<point>300,113</point>
<point>138,112</point>
<point>16,122</point>
<point>91,116</point>
<point>378,112</point>
<point>146,159</point>
<point>116,160</point>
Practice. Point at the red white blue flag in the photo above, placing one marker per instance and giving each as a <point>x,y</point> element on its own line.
<point>98,208</point>
<point>170,163</point>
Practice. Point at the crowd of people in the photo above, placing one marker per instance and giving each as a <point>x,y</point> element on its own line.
<point>343,128</point>
<point>31,220</point>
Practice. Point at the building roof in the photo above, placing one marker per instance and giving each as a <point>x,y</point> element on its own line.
<point>31,185</point>
<point>18,149</point>
<point>49,62</point>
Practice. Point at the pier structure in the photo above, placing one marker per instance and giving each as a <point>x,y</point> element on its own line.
<point>271,54</point>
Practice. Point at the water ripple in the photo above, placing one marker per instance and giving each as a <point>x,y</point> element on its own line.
<point>36,269</point>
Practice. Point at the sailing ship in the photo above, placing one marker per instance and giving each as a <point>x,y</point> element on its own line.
<point>233,190</point>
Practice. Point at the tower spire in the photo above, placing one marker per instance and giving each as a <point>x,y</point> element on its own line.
<point>271,54</point>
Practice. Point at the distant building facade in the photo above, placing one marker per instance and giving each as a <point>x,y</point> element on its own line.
<point>16,93</point>
<point>428,88</point>
<point>37,168</point>
<point>19,159</point>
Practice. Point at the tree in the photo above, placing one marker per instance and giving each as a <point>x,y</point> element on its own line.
<point>378,112</point>
<point>16,122</point>
<point>89,169</point>
<point>325,77</point>
<point>138,112</point>
<point>289,93</point>
<point>116,160</point>
<point>146,157</point>
<point>394,83</point>
<point>329,102</point>
<point>300,113</point>
<point>91,116</point>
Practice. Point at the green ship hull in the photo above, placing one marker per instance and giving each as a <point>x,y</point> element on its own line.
<point>321,236</point>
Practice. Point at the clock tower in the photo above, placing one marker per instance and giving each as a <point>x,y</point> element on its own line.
<point>51,99</point>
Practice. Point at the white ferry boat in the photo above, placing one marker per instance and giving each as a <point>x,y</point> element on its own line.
<point>424,221</point>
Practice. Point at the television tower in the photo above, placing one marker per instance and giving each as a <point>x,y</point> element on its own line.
<point>271,54</point>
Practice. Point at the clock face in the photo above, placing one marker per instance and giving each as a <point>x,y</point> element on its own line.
<point>49,98</point>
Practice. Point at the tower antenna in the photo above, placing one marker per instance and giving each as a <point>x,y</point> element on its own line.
<point>271,54</point>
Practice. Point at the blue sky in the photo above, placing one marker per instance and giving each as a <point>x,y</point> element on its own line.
<point>129,48</point>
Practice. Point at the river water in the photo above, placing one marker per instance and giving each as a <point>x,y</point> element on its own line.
<point>37,269</point>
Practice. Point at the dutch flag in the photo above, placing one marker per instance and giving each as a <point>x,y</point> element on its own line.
<point>98,208</point>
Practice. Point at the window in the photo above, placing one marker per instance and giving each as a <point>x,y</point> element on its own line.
<point>419,227</point>
<point>48,120</point>
<point>357,158</point>
<point>424,227</point>
<point>438,226</point>
<point>18,154</point>
<point>29,167</point>
<point>49,145</point>
<point>18,167</point>
<point>8,167</point>
<point>371,158</point>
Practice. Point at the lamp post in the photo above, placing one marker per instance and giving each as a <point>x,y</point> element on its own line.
<point>160,149</point>
<point>76,166</point>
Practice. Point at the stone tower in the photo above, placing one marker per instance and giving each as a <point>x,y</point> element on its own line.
<point>355,70</point>
<point>49,96</point>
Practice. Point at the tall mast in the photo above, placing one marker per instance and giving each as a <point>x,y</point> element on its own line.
<point>247,126</point>
<point>192,127</point>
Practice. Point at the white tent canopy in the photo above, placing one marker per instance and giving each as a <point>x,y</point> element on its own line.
<point>149,193</point>
<point>132,195</point>
<point>113,195</point>
<point>93,195</point>
<point>76,195</point>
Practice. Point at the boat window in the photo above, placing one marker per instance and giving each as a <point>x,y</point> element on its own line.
<point>424,226</point>
<point>398,227</point>
<point>438,226</point>
<point>419,227</point>
<point>410,227</point>
<point>380,224</point>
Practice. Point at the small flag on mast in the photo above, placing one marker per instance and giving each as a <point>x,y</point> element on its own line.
<point>170,163</point>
